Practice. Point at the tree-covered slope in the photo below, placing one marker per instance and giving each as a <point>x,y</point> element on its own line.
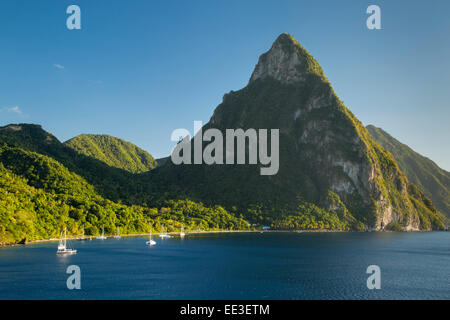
<point>110,182</point>
<point>330,167</point>
<point>423,172</point>
<point>113,151</point>
<point>39,196</point>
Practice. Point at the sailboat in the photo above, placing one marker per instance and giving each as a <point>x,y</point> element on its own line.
<point>83,236</point>
<point>62,246</point>
<point>164,235</point>
<point>118,235</point>
<point>182,234</point>
<point>102,237</point>
<point>150,242</point>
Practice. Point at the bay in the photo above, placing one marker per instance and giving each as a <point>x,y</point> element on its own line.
<point>269,265</point>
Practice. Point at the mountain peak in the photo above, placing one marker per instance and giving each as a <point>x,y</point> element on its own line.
<point>20,126</point>
<point>286,61</point>
<point>28,134</point>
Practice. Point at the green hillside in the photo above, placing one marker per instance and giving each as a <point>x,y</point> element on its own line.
<point>113,151</point>
<point>423,172</point>
<point>112,183</point>
<point>39,196</point>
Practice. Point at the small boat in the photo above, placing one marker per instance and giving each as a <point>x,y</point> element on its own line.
<point>118,235</point>
<point>150,242</point>
<point>164,235</point>
<point>182,234</point>
<point>62,246</point>
<point>102,237</point>
<point>83,236</point>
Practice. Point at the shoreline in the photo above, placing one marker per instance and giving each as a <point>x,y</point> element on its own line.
<point>200,232</point>
<point>158,233</point>
<point>122,236</point>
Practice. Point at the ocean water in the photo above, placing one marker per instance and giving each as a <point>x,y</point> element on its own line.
<point>270,265</point>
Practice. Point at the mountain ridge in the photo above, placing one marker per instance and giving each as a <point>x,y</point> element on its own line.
<point>113,151</point>
<point>420,170</point>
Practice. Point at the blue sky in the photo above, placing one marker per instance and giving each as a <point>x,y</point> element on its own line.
<point>140,69</point>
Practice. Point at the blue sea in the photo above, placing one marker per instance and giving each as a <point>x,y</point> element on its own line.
<point>269,265</point>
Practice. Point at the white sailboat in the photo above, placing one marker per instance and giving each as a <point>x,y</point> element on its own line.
<point>62,246</point>
<point>82,236</point>
<point>118,234</point>
<point>182,234</point>
<point>102,237</point>
<point>150,242</point>
<point>164,235</point>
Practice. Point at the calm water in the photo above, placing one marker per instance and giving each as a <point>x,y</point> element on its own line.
<point>235,266</point>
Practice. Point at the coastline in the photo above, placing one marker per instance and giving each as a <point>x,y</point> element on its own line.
<point>170,233</point>
<point>198,232</point>
<point>122,235</point>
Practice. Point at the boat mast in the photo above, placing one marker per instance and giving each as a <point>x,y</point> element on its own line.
<point>60,239</point>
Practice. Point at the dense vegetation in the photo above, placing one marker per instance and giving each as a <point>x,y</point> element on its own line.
<point>112,183</point>
<point>113,151</point>
<point>423,172</point>
<point>39,196</point>
<point>306,216</point>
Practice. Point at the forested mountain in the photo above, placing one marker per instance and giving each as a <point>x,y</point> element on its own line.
<point>39,195</point>
<point>332,173</point>
<point>113,151</point>
<point>108,181</point>
<point>423,172</point>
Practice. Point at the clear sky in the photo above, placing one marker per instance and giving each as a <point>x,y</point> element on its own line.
<point>140,69</point>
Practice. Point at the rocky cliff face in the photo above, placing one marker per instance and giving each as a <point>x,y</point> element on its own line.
<point>324,149</point>
<point>280,63</point>
<point>424,173</point>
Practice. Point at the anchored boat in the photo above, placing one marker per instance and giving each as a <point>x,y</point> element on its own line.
<point>150,242</point>
<point>164,235</point>
<point>102,237</point>
<point>62,246</point>
<point>118,234</point>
